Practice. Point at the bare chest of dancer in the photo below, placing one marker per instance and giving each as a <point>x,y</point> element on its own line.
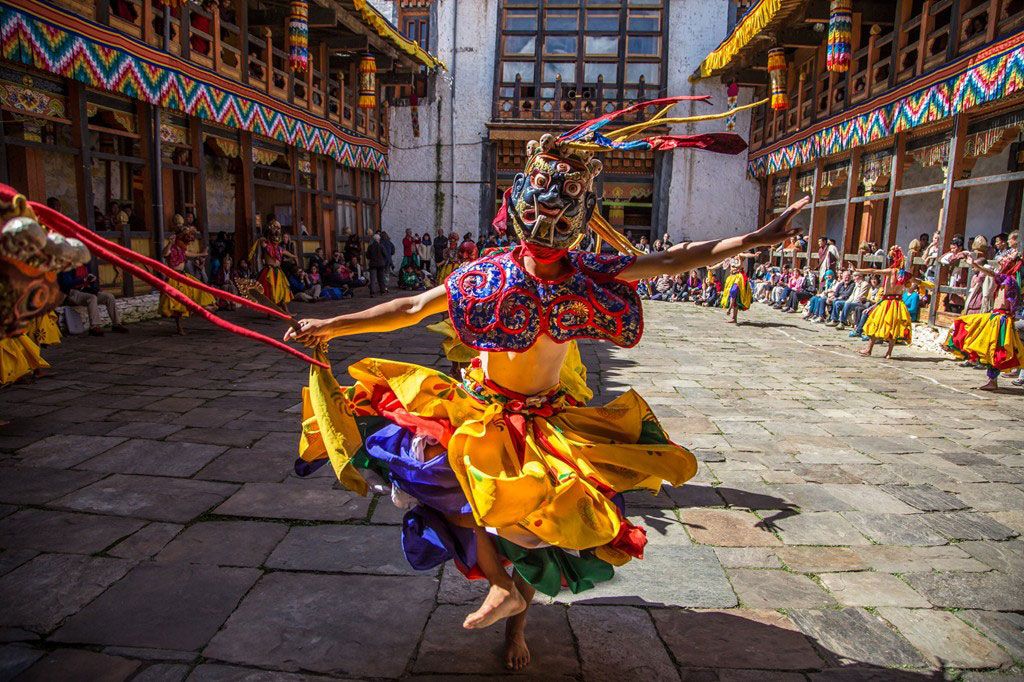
<point>533,371</point>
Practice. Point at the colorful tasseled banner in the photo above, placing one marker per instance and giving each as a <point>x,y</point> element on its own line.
<point>367,82</point>
<point>732,97</point>
<point>298,36</point>
<point>840,33</point>
<point>777,78</point>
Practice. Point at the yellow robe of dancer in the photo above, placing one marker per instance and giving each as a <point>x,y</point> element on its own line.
<point>44,329</point>
<point>889,320</point>
<point>746,296</point>
<point>19,356</point>
<point>170,308</point>
<point>550,490</point>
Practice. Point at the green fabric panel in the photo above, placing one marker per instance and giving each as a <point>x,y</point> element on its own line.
<point>545,568</point>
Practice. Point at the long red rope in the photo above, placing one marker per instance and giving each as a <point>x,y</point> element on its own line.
<point>102,248</point>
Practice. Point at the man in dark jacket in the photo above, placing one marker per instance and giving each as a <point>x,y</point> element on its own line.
<point>843,291</point>
<point>389,250</point>
<point>377,261</point>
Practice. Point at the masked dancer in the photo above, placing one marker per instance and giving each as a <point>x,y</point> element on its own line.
<point>990,339</point>
<point>176,255</point>
<point>506,467</point>
<point>889,320</point>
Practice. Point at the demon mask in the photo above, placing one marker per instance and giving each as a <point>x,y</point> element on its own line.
<point>552,200</point>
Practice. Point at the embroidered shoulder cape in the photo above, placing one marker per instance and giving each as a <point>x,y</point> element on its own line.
<point>495,305</point>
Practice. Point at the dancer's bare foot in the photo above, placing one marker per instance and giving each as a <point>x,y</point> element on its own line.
<point>180,331</point>
<point>499,603</point>
<point>517,654</point>
<point>887,356</point>
<point>866,353</point>
<point>992,385</point>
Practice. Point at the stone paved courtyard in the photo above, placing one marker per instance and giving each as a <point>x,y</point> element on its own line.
<point>852,519</point>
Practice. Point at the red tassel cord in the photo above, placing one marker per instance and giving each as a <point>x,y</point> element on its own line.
<point>102,248</point>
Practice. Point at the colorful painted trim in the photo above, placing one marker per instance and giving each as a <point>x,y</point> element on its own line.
<point>67,45</point>
<point>986,77</point>
<point>386,30</point>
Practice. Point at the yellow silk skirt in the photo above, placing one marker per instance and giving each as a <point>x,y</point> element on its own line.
<point>746,296</point>
<point>889,320</point>
<point>539,469</point>
<point>44,329</point>
<point>988,338</point>
<point>170,308</point>
<point>275,285</point>
<point>19,356</point>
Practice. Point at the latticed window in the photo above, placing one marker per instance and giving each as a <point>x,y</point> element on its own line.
<point>578,58</point>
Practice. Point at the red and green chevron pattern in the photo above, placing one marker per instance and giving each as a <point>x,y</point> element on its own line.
<point>995,77</point>
<point>76,51</point>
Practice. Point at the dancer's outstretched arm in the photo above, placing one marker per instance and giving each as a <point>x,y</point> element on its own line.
<point>386,317</point>
<point>692,255</point>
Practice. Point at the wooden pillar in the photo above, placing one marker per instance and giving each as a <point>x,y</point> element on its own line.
<point>195,135</point>
<point>954,204</point>
<point>215,42</point>
<point>993,21</point>
<point>243,33</point>
<point>850,210</point>
<point>897,165</point>
<point>794,187</point>
<point>248,196</point>
<point>814,224</point>
<point>148,30</point>
<point>922,41</point>
<point>186,29</point>
<point>1014,191</point>
<point>156,212</point>
<point>80,141</point>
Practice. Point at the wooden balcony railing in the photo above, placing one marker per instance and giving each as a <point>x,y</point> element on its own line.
<point>568,102</point>
<point>214,41</point>
<point>940,31</point>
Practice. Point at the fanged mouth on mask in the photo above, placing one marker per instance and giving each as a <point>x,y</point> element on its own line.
<point>552,200</point>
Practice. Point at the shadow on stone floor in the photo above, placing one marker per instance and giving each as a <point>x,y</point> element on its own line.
<point>699,645</point>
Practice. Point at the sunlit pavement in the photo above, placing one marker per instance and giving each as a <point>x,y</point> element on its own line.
<point>849,513</point>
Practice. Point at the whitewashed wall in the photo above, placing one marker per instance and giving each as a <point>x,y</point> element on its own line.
<point>420,192</point>
<point>709,194</point>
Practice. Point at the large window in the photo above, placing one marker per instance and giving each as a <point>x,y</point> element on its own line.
<point>564,58</point>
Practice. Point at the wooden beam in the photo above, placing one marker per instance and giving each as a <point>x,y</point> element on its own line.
<point>876,12</point>
<point>954,204</point>
<point>357,43</point>
<point>802,37</point>
<point>752,76</point>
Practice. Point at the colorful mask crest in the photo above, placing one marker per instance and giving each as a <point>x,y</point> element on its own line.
<point>551,203</point>
<point>30,258</point>
<point>552,200</point>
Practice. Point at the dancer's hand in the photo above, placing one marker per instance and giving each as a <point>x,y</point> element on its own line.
<point>311,332</point>
<point>780,229</point>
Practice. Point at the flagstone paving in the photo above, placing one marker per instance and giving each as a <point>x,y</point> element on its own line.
<point>851,519</point>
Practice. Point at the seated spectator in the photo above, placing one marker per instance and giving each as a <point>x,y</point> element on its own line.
<point>81,288</point>
<point>318,259</point>
<point>874,297</point>
<point>842,292</point>
<point>856,301</point>
<point>680,289</point>
<point>816,304</point>
<point>781,288</point>
<point>197,268</point>
<point>693,286</point>
<point>244,269</point>
<point>912,299</point>
<point>224,278</point>
<point>304,286</point>
<point>409,278</point>
<point>662,288</point>
<point>808,288</point>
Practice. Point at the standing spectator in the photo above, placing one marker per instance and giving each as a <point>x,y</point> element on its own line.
<point>352,247</point>
<point>440,245</point>
<point>426,251</point>
<point>377,260</point>
<point>82,288</point>
<point>410,256</point>
<point>389,250</point>
<point>644,245</point>
<point>828,257</point>
<point>954,259</point>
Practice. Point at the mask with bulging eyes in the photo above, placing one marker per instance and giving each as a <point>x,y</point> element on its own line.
<point>552,200</point>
